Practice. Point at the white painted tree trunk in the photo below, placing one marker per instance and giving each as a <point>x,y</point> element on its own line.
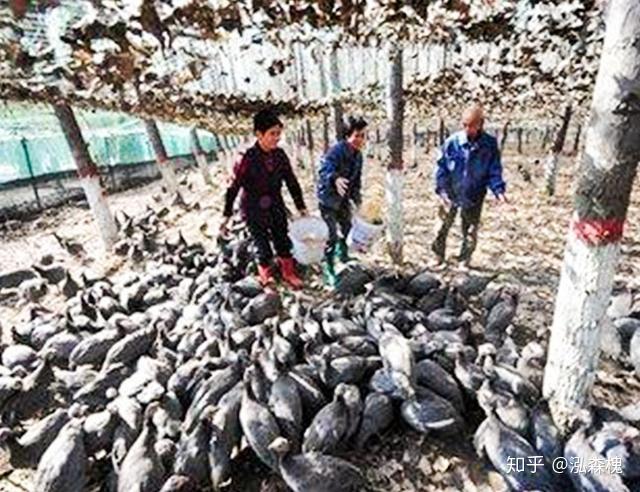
<point>200,157</point>
<point>395,116</point>
<point>605,179</point>
<point>87,173</point>
<point>585,286</point>
<point>100,208</point>
<point>394,182</point>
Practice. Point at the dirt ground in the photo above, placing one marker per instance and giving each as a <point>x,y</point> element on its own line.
<point>523,241</point>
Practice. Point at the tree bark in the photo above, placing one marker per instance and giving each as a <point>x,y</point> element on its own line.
<point>442,132</point>
<point>336,107</point>
<point>551,166</point>
<point>519,133</point>
<point>166,170</point>
<point>88,174</point>
<point>307,123</point>
<point>576,140</point>
<point>505,134</point>
<point>394,180</point>
<point>318,56</point>
<point>605,176</point>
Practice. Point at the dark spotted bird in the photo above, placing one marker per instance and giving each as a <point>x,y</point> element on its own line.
<point>330,426</point>
<point>501,445</point>
<point>72,247</point>
<point>53,274</point>
<point>377,416</point>
<point>259,425</point>
<point>70,287</point>
<point>142,469</point>
<point>500,317</point>
<point>315,472</point>
<point>63,466</point>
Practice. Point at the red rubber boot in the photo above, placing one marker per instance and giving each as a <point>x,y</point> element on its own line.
<point>265,275</point>
<point>288,272</point>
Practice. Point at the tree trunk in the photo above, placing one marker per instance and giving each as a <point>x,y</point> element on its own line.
<point>505,134</point>
<point>308,134</point>
<point>551,167</point>
<point>88,174</point>
<point>545,137</point>
<point>576,141</point>
<point>318,56</point>
<point>442,132</point>
<point>519,133</point>
<point>394,180</point>
<point>336,107</point>
<point>167,171</point>
<point>201,158</point>
<point>605,176</point>
<point>414,145</point>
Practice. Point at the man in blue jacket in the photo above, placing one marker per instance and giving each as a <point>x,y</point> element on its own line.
<point>469,163</point>
<point>339,184</point>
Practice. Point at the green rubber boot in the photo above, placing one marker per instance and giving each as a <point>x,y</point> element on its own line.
<point>342,251</point>
<point>329,276</point>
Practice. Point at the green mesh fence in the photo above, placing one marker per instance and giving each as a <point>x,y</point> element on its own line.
<point>113,140</point>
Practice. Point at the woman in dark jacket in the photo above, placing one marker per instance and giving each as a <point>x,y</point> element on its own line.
<point>260,174</point>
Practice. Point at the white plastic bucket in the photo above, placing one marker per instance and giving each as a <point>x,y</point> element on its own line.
<point>309,237</point>
<point>363,234</point>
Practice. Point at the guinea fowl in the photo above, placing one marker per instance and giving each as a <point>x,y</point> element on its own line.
<point>473,285</point>
<point>397,357</point>
<point>191,455</point>
<point>500,317</point>
<point>619,442</point>
<point>286,405</point>
<point>578,449</point>
<point>427,412</point>
<point>142,469</point>
<point>52,274</point>
<point>258,424</point>
<point>63,465</point>
<point>501,445</point>
<point>25,451</point>
<point>347,369</point>
<point>72,247</point>
<point>330,426</point>
<point>19,355</point>
<point>508,409</point>
<point>431,375</point>
<point>546,436</point>
<point>37,392</point>
<point>179,483</point>
<point>314,472</point>
<point>94,348</point>
<point>377,416</point>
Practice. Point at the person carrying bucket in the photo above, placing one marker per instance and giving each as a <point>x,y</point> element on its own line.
<point>260,173</point>
<point>339,184</point>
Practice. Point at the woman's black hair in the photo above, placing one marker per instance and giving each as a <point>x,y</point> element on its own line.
<point>265,119</point>
<point>354,124</point>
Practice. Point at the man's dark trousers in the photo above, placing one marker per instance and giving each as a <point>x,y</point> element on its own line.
<point>470,222</point>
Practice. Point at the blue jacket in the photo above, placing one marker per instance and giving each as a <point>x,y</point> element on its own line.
<point>343,161</point>
<point>465,169</point>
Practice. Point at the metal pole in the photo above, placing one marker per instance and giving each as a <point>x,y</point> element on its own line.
<point>27,157</point>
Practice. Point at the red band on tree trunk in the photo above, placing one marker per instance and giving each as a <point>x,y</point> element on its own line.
<point>88,172</point>
<point>598,232</point>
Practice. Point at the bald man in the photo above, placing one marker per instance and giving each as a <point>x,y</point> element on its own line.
<point>468,165</point>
